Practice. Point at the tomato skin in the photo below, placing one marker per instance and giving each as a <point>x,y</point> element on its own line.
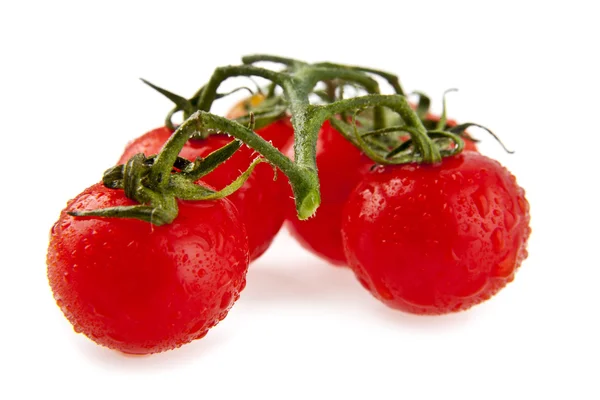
<point>259,201</point>
<point>139,288</point>
<point>433,239</point>
<point>340,167</point>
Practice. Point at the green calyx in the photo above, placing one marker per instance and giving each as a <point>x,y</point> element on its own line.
<point>386,127</point>
<point>157,182</point>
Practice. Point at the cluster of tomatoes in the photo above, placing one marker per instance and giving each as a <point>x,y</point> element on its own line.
<point>427,239</point>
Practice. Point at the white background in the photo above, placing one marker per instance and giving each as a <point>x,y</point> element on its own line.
<point>70,99</point>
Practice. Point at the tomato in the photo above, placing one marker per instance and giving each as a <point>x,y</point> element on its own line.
<point>432,239</point>
<point>259,200</point>
<point>140,288</point>
<point>341,166</point>
<point>246,105</point>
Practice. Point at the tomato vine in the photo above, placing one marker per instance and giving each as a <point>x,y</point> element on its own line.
<point>297,80</point>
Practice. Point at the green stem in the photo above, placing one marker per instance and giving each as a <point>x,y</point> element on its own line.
<point>161,170</point>
<point>390,78</point>
<point>302,175</point>
<point>209,94</point>
<point>313,74</point>
<point>305,137</point>
<point>253,58</point>
<point>389,129</point>
<point>424,145</point>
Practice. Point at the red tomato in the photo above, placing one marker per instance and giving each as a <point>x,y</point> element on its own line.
<point>432,239</point>
<point>140,288</point>
<point>259,201</point>
<point>341,166</point>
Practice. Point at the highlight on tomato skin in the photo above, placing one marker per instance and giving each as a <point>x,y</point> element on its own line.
<point>139,288</point>
<point>258,200</point>
<point>434,239</point>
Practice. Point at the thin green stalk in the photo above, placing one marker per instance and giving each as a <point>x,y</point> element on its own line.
<point>302,175</point>
<point>253,58</point>
<point>208,95</point>
<point>161,170</point>
<point>424,145</point>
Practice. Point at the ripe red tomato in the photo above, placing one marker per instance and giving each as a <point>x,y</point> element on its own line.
<point>432,239</point>
<point>341,166</point>
<point>259,201</point>
<point>140,288</point>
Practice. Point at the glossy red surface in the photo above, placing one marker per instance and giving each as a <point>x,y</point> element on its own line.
<point>431,239</point>
<point>140,288</point>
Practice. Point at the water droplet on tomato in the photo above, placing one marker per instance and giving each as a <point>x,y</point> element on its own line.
<point>226,300</point>
<point>472,267</point>
<point>509,220</point>
<point>498,240</point>
<point>481,202</point>
<point>522,204</point>
<point>506,267</point>
<point>224,279</point>
<point>222,315</point>
<point>383,291</point>
<point>219,242</point>
<point>200,335</point>
<point>198,326</point>
<point>201,273</point>
<point>116,337</point>
<point>203,243</point>
<point>453,255</point>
